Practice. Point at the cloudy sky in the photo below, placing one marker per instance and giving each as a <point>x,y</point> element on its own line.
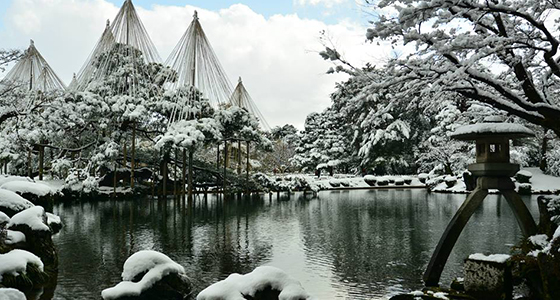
<point>273,45</point>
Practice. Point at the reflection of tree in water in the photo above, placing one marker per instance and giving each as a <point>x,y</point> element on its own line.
<point>370,241</point>
<point>212,239</point>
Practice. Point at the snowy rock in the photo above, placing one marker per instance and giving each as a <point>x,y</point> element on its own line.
<point>14,237</point>
<point>262,283</point>
<point>450,181</point>
<point>488,276</point>
<point>34,217</point>
<point>4,219</point>
<point>15,262</point>
<point>5,179</point>
<point>525,189</point>
<point>23,187</point>
<point>12,203</point>
<point>150,275</point>
<point>32,222</point>
<point>54,222</point>
<point>11,294</point>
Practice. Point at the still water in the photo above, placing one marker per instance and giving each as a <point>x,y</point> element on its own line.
<point>342,245</point>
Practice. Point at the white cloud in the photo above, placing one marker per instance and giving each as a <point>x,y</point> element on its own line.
<point>276,56</point>
<point>327,3</point>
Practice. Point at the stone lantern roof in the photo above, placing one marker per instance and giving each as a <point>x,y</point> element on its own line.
<point>490,129</point>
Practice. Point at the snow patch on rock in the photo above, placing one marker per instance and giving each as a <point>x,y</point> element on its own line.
<point>156,265</point>
<point>15,262</point>
<point>33,217</point>
<point>38,189</point>
<point>13,201</point>
<point>11,294</point>
<point>498,258</point>
<point>236,285</point>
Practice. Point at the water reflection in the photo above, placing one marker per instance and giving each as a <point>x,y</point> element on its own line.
<point>358,245</point>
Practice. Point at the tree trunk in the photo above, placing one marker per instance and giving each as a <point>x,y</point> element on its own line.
<point>133,155</point>
<point>190,184</point>
<point>544,148</point>
<point>124,158</point>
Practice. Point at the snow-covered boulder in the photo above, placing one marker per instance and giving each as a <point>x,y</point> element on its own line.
<point>4,219</point>
<point>54,222</point>
<point>15,263</point>
<point>150,275</point>
<point>262,283</point>
<point>523,176</point>
<point>334,183</point>
<point>33,217</point>
<point>12,203</point>
<point>32,222</point>
<point>11,294</point>
<point>14,238</point>
<point>5,179</point>
<point>25,187</point>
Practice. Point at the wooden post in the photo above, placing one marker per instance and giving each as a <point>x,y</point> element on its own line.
<point>132,155</point>
<point>41,161</point>
<point>247,169</point>
<point>225,167</point>
<point>29,167</point>
<point>190,176</point>
<point>184,172</point>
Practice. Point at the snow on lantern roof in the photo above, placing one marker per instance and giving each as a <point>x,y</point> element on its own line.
<point>481,130</point>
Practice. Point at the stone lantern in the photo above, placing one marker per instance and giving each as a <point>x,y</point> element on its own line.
<point>493,170</point>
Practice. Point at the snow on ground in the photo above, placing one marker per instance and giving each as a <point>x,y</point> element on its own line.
<point>13,201</point>
<point>14,237</point>
<point>157,265</point>
<point>16,261</point>
<point>235,286</point>
<point>33,217</point>
<point>498,258</point>
<point>540,183</point>
<point>34,188</point>
<point>11,294</point>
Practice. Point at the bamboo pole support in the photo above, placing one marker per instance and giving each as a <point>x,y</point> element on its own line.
<point>125,163</point>
<point>225,167</point>
<point>29,167</point>
<point>238,157</point>
<point>247,170</point>
<point>175,174</point>
<point>115,180</point>
<point>184,177</point>
<point>41,161</point>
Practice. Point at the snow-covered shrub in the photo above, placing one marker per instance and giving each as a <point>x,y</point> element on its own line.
<point>407,180</point>
<point>398,181</point>
<point>370,180</point>
<point>423,177</point>
<point>60,167</point>
<point>264,182</point>
<point>382,182</point>
<point>334,183</point>
<point>553,160</point>
<point>525,189</point>
<point>450,181</point>
<point>433,182</point>
<point>523,176</point>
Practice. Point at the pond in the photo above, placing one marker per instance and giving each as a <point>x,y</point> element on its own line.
<point>365,244</point>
